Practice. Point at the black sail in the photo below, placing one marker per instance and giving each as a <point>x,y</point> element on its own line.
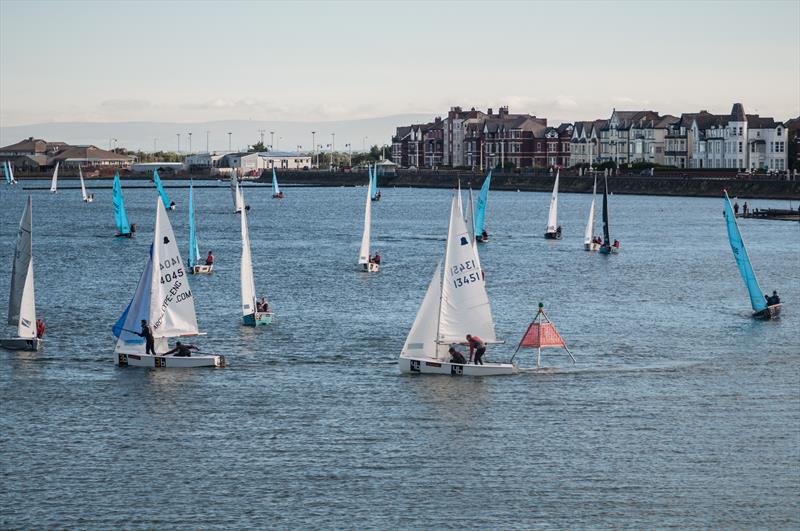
<point>606,237</point>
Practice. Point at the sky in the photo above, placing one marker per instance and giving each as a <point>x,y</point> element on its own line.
<point>201,61</point>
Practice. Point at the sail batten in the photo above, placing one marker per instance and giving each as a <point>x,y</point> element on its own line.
<point>757,300</point>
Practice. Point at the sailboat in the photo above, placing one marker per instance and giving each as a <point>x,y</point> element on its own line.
<point>607,247</point>
<point>124,228</point>
<point>167,203</point>
<point>164,299</point>
<point>374,194</point>
<point>236,192</point>
<point>9,173</point>
<point>250,314</point>
<point>22,301</point>
<point>757,300</point>
<point>553,231</point>
<point>365,262</point>
<point>589,242</point>
<point>455,304</point>
<point>87,198</point>
<point>481,235</point>
<point>541,333</point>
<point>195,265</point>
<point>276,191</point>
<point>54,181</point>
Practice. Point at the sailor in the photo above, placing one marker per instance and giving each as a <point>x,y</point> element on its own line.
<point>209,259</point>
<point>39,328</point>
<point>378,195</point>
<point>181,350</point>
<point>262,306</point>
<point>457,357</point>
<point>744,209</point>
<point>616,244</point>
<point>477,348</point>
<point>376,259</point>
<point>771,301</point>
<point>484,235</point>
<point>736,208</point>
<point>149,340</point>
<point>558,230</point>
<point>172,205</point>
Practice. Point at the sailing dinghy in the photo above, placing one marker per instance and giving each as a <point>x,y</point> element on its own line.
<point>375,195</point>
<point>164,299</point>
<point>758,301</point>
<point>276,191</point>
<point>455,304</point>
<point>87,198</point>
<point>541,333</point>
<point>553,231</point>
<point>161,192</point>
<point>365,262</point>
<point>589,240</point>
<point>196,266</point>
<point>8,170</point>
<point>54,180</point>
<point>607,247</point>
<point>481,236</point>
<point>236,192</point>
<point>250,314</point>
<point>124,228</point>
<point>22,302</point>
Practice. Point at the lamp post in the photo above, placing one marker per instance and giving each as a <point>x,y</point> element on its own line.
<point>271,139</point>
<point>319,148</point>
<point>261,132</point>
<point>333,145</point>
<point>190,142</point>
<point>314,147</point>
<point>115,144</point>
<point>179,141</point>
<point>229,141</point>
<point>349,155</point>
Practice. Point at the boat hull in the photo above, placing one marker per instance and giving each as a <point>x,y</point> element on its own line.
<point>369,268</point>
<point>21,343</point>
<point>608,250</point>
<point>257,319</point>
<point>552,235</point>
<point>431,366</point>
<point>277,196</point>
<point>202,269</point>
<point>770,312</point>
<point>591,246</point>
<point>88,199</point>
<point>168,362</point>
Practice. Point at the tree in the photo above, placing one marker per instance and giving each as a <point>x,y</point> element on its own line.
<point>258,146</point>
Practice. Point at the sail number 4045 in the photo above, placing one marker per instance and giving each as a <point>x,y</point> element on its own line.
<point>465,273</point>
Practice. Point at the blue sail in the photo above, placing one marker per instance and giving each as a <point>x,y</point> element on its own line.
<point>275,189</point>
<point>161,192</point>
<point>6,172</point>
<point>373,181</point>
<point>743,260</point>
<point>480,205</point>
<point>194,250</point>
<point>120,216</point>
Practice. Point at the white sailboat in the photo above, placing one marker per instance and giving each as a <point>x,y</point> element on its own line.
<point>87,198</point>
<point>22,300</point>
<point>236,192</point>
<point>365,262</point>
<point>455,304</point>
<point>164,299</point>
<point>589,242</point>
<point>553,231</point>
<point>250,314</point>
<point>54,180</point>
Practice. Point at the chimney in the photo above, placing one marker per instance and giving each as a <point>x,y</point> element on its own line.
<point>490,111</point>
<point>503,111</point>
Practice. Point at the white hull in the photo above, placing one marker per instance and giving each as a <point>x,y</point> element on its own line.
<point>369,268</point>
<point>591,246</point>
<point>202,269</point>
<point>168,362</point>
<point>431,366</point>
<point>21,343</point>
<point>88,200</point>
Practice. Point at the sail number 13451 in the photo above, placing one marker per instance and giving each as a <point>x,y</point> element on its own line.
<point>465,273</point>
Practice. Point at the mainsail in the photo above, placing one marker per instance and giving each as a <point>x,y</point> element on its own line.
<point>236,192</point>
<point>194,249</point>
<point>161,191</point>
<point>54,181</point>
<point>83,187</point>
<point>21,306</point>
<point>163,296</point>
<point>363,253</point>
<point>552,218</point>
<point>120,216</point>
<point>246,271</point>
<point>606,237</point>
<point>7,171</point>
<point>275,189</point>
<point>589,233</point>
<point>11,172</point>
<point>373,180</point>
<point>480,205</point>
<point>757,300</point>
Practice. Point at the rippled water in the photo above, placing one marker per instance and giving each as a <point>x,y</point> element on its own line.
<point>681,411</point>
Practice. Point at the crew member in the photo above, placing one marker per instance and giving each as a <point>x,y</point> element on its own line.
<point>457,357</point>
<point>477,348</point>
<point>39,328</point>
<point>149,340</point>
<point>209,259</point>
<point>181,350</point>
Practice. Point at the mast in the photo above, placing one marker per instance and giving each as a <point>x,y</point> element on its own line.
<point>606,237</point>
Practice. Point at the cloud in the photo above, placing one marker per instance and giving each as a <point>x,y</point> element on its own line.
<point>565,103</point>
<point>125,104</point>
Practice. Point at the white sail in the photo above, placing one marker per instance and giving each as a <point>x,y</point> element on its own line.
<point>363,253</point>
<point>21,265</point>
<point>83,187</point>
<point>54,181</point>
<point>11,173</point>
<point>552,218</point>
<point>236,192</point>
<point>246,272</point>
<point>421,340</point>
<point>171,311</point>
<point>589,234</point>
<point>26,326</point>
<point>465,305</point>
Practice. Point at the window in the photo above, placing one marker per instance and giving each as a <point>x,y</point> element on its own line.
<point>779,131</point>
<point>740,147</point>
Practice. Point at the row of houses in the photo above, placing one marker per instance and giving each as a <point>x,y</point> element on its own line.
<point>479,140</point>
<point>36,154</point>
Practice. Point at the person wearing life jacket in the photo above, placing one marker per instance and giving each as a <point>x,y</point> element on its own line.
<point>39,328</point>
<point>477,348</point>
<point>457,357</point>
<point>181,350</point>
<point>209,259</point>
<point>376,259</point>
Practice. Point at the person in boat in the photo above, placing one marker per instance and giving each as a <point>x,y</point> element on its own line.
<point>378,195</point>
<point>181,350</point>
<point>172,205</point>
<point>149,340</point>
<point>262,306</point>
<point>774,299</point>
<point>39,328</point>
<point>376,259</point>
<point>736,208</point>
<point>558,231</point>
<point>477,348</point>
<point>744,209</point>
<point>616,244</point>
<point>209,259</point>
<point>457,357</point>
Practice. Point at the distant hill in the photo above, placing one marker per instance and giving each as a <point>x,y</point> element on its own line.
<point>288,135</point>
